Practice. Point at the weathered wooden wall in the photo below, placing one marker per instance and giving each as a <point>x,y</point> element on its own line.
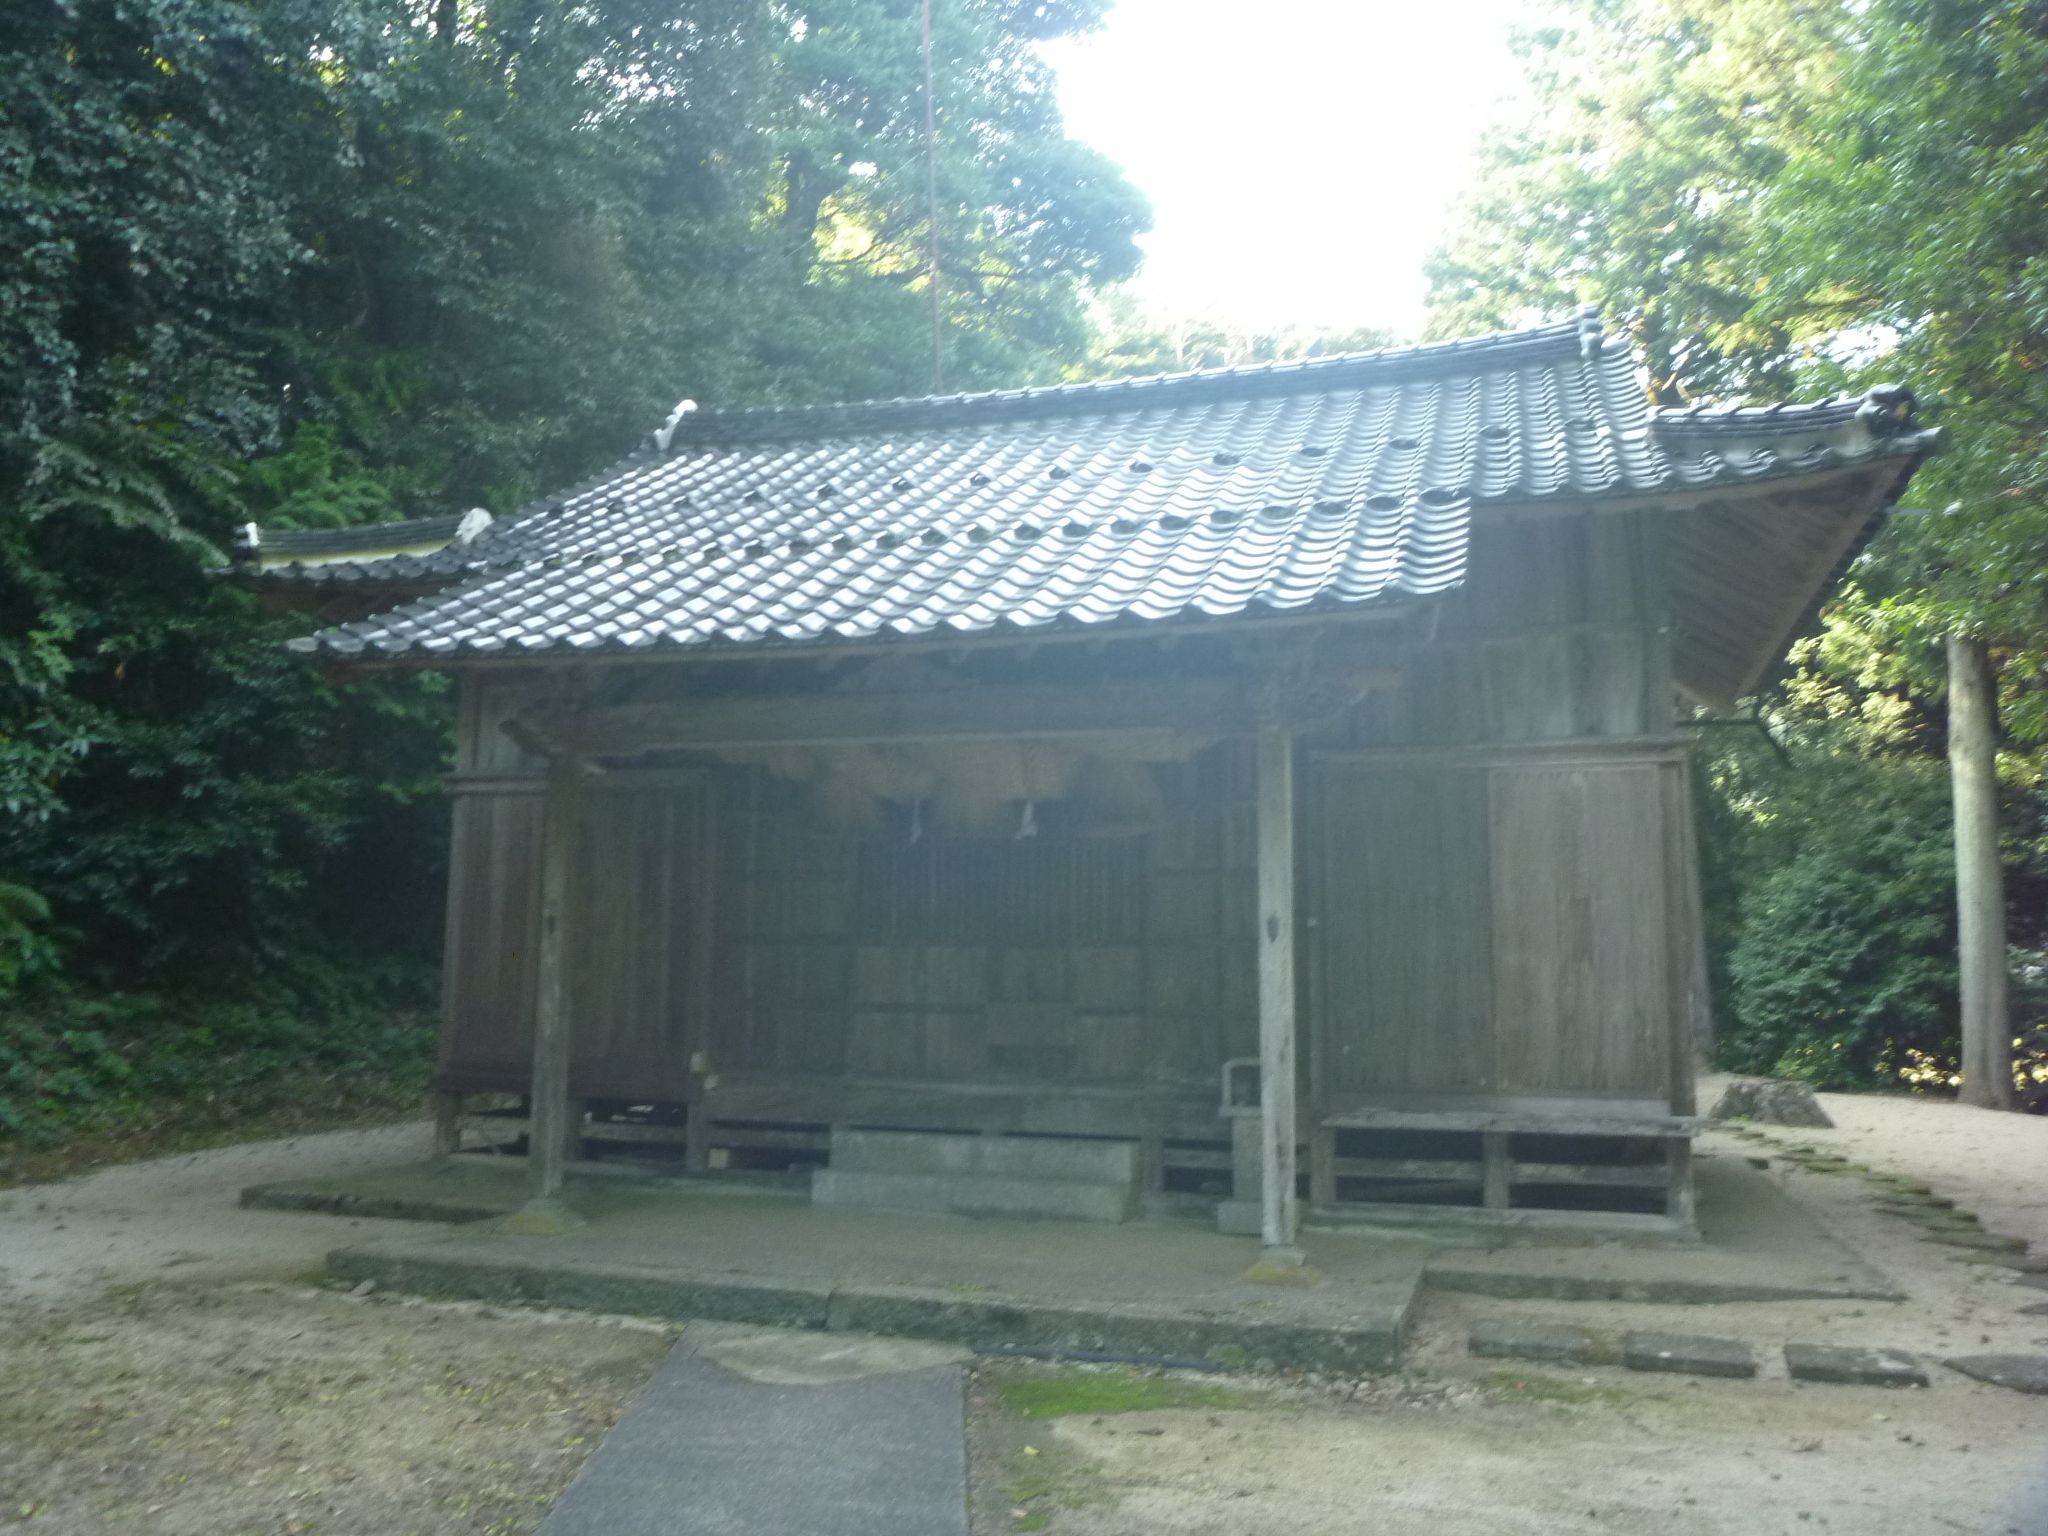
<point>638,958</point>
<point>1505,883</point>
<point>1071,960</point>
<point>1504,930</point>
<point>1500,902</point>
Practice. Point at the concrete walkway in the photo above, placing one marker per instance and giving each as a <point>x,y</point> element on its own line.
<point>757,1432</point>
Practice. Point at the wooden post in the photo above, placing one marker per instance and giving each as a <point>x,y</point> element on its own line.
<point>1493,1170</point>
<point>1678,1189</point>
<point>447,1123</point>
<point>1276,995</point>
<point>703,910</point>
<point>1151,1152</point>
<point>574,1113</point>
<point>1980,882</point>
<point>548,1124</point>
<point>1322,1156</point>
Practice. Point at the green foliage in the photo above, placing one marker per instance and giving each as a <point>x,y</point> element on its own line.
<point>1780,198</point>
<point>1786,198</point>
<point>116,1065</point>
<point>1131,340</point>
<point>26,948</point>
<point>317,262</point>
<point>1840,964</point>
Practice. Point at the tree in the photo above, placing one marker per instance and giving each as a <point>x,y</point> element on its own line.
<point>320,260</point>
<point>1131,339</point>
<point>1980,884</point>
<point>1784,197</point>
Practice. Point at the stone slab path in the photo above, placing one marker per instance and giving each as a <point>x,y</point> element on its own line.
<point>758,1432</point>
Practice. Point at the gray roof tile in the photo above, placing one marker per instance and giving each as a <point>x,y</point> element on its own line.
<point>1335,480</point>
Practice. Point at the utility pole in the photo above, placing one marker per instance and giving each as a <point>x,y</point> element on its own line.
<point>1980,881</point>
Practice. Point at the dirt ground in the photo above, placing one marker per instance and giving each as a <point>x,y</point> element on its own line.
<point>168,1366</point>
<point>1523,1452</point>
<point>1457,1444</point>
<point>218,1411</point>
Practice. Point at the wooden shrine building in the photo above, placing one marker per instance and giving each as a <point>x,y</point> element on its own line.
<point>1223,791</point>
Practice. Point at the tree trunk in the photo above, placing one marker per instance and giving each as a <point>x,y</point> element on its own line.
<point>1980,883</point>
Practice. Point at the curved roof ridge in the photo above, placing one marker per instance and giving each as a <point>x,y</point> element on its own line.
<point>714,426</point>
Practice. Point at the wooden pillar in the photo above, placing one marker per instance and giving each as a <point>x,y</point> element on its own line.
<point>1980,881</point>
<point>548,1124</point>
<point>1276,994</point>
<point>1493,1170</point>
<point>1151,1151</point>
<point>1678,1187</point>
<point>1322,1156</point>
<point>696,1126</point>
<point>703,910</point>
<point>447,1123</point>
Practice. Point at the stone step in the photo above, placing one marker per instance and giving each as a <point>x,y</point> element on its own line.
<point>976,1194</point>
<point>1047,1158</point>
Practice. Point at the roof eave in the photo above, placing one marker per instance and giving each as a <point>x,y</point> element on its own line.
<point>1395,612</point>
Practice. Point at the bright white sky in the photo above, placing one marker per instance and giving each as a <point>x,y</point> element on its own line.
<point>1300,155</point>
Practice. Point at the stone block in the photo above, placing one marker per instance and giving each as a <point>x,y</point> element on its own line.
<point>1240,1218</point>
<point>1772,1101</point>
<point>1687,1354</point>
<point>972,1194</point>
<point>1854,1367</point>
<point>2020,1373</point>
<point>1559,1343</point>
<point>1059,1158</point>
<point>1964,1236</point>
<point>2020,1263</point>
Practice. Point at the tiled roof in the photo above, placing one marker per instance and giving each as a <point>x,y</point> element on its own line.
<point>389,551</point>
<point>1338,480</point>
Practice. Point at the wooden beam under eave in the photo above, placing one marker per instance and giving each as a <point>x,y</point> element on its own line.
<point>1175,710</point>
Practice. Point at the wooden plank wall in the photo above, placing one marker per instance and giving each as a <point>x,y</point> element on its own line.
<point>1505,911</point>
<point>1118,964</point>
<point>1404,931</point>
<point>1063,960</point>
<point>493,934</point>
<point>1581,931</point>
<point>639,900</point>
<point>1556,636</point>
<point>634,947</point>
<point>1499,901</point>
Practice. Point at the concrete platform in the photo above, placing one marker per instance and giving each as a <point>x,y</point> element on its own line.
<point>1156,1289</point>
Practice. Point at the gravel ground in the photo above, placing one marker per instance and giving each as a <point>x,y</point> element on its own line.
<point>177,1217</point>
<point>252,1410</point>
<point>1530,1453</point>
<point>1458,1444</point>
<point>169,1369</point>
